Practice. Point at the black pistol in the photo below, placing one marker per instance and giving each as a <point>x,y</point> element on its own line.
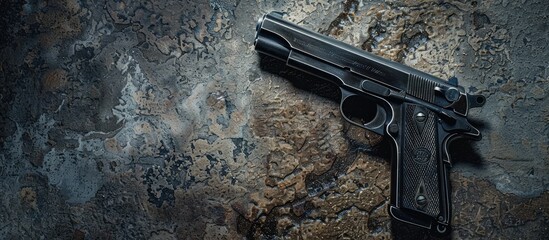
<point>418,113</point>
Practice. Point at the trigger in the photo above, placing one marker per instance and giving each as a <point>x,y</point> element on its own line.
<point>362,111</point>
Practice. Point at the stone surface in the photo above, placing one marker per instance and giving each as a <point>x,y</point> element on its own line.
<point>158,120</point>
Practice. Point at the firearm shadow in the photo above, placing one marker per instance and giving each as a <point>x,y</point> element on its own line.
<point>463,150</point>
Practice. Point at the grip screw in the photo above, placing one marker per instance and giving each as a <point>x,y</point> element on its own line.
<point>420,117</point>
<point>421,200</point>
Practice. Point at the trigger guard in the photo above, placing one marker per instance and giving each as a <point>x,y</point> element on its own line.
<point>376,124</point>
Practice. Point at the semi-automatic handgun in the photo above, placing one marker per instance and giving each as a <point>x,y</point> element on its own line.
<point>419,113</point>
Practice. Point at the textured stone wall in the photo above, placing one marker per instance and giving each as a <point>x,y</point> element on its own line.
<point>158,120</point>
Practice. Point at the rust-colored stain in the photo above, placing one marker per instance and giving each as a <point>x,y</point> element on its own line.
<point>54,80</point>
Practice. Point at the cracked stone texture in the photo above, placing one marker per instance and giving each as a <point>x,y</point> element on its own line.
<point>157,120</point>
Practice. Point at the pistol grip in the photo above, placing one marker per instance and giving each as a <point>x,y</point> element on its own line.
<point>420,188</point>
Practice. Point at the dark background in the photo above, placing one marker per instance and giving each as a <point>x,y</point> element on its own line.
<point>154,120</point>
